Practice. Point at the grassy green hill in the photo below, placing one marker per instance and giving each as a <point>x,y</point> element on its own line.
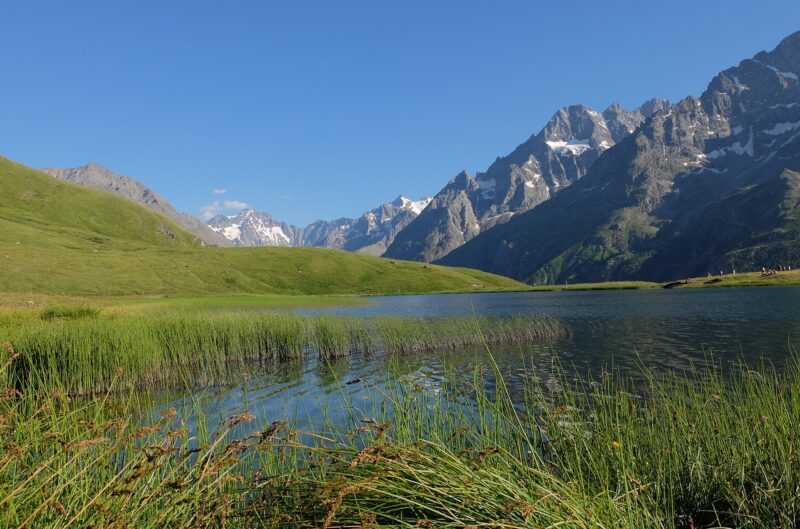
<point>58,238</point>
<point>36,210</point>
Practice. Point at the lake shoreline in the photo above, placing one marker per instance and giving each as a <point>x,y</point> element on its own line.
<point>11,302</point>
<point>748,279</point>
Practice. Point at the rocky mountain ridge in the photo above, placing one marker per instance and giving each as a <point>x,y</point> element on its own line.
<point>708,184</point>
<point>547,163</point>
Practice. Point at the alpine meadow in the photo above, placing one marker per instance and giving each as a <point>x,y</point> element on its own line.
<point>227,322</point>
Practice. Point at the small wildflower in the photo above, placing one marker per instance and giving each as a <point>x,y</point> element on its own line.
<point>367,456</point>
<point>180,432</point>
<point>369,520</point>
<point>273,429</point>
<point>146,430</point>
<point>239,419</point>
<point>616,445</point>
<point>86,443</point>
<point>486,452</point>
<point>58,506</point>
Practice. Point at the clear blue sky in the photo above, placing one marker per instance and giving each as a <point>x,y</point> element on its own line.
<point>326,109</point>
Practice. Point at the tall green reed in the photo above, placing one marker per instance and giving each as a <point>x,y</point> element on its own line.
<point>676,451</point>
<point>83,356</point>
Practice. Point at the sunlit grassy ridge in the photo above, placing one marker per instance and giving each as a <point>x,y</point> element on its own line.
<point>742,279</point>
<point>608,285</point>
<point>38,211</point>
<point>61,239</point>
<point>231,270</point>
<point>748,279</point>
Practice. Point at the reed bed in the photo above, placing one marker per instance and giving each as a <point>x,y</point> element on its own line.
<point>82,352</point>
<point>678,453</point>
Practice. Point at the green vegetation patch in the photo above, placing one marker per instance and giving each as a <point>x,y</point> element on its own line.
<point>681,452</point>
<point>88,355</point>
<point>69,313</point>
<point>608,285</point>
<point>748,279</point>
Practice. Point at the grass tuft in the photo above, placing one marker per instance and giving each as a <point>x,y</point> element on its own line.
<point>69,313</point>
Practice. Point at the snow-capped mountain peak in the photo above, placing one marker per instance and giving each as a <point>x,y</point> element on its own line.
<point>370,233</point>
<point>415,206</point>
<point>252,228</point>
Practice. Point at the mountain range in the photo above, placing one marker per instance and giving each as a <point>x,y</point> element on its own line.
<point>658,192</point>
<point>371,233</point>
<point>430,228</point>
<point>543,166</point>
<point>709,184</point>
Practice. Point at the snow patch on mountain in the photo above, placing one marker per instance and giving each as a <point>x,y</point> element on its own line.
<point>782,128</point>
<point>415,206</point>
<point>736,148</point>
<point>780,73</point>
<point>231,232</point>
<point>573,147</point>
<point>418,206</point>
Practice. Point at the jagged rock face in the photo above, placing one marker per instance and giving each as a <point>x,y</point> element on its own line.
<point>374,231</point>
<point>371,233</point>
<point>98,177</point>
<point>548,162</point>
<point>710,183</point>
<point>327,233</point>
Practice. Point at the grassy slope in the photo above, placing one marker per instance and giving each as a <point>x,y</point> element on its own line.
<point>750,279</point>
<point>608,285</point>
<point>38,211</point>
<point>57,238</point>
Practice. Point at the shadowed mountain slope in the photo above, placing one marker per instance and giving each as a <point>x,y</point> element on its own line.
<point>706,185</point>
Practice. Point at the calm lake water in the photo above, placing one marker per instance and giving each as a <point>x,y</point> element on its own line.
<point>660,329</point>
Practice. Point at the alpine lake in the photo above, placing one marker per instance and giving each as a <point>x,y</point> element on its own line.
<point>628,332</point>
